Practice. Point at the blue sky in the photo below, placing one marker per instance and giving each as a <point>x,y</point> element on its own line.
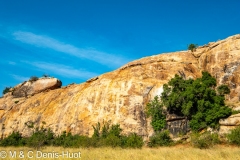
<point>74,40</point>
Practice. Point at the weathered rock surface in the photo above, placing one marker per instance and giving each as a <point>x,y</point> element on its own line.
<point>233,120</point>
<point>177,125</point>
<point>222,60</point>
<point>229,123</point>
<point>120,96</point>
<point>33,87</point>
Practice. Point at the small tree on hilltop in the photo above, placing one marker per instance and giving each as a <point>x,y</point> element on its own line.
<point>192,47</point>
<point>6,90</point>
<point>33,78</point>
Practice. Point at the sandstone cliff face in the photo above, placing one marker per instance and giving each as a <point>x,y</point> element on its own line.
<point>120,96</point>
<point>222,60</point>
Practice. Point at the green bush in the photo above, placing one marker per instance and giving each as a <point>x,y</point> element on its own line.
<point>14,139</point>
<point>64,140</point>
<point>46,75</point>
<point>115,130</point>
<point>96,133</point>
<point>234,136</point>
<point>6,90</point>
<point>160,139</point>
<point>67,140</point>
<point>111,136</point>
<point>155,110</point>
<point>132,141</point>
<point>235,112</point>
<point>29,124</point>
<point>87,142</point>
<point>40,137</point>
<point>223,89</point>
<point>111,140</point>
<point>205,140</point>
<point>33,78</point>
<point>192,47</point>
<point>105,136</point>
<point>197,100</point>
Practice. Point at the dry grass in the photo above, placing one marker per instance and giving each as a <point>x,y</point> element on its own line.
<point>182,152</point>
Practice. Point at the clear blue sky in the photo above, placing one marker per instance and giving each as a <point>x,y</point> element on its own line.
<point>74,40</point>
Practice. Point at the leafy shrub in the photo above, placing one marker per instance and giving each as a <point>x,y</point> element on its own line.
<point>223,89</point>
<point>197,100</point>
<point>111,136</point>
<point>46,75</point>
<point>235,112</point>
<point>132,141</point>
<point>205,140</point>
<point>192,47</point>
<point>105,136</point>
<point>14,139</point>
<point>40,137</point>
<point>6,90</point>
<point>155,110</point>
<point>115,130</point>
<point>67,140</point>
<point>96,133</point>
<point>234,136</point>
<point>160,139</point>
<point>29,124</point>
<point>111,140</point>
<point>33,78</point>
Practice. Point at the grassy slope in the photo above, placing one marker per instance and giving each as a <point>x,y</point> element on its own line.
<point>162,153</point>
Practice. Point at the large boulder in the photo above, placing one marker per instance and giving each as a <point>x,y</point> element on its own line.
<point>35,86</point>
<point>177,125</point>
<point>229,123</point>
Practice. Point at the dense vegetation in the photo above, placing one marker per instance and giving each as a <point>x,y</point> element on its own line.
<point>105,136</point>
<point>155,110</point>
<point>204,140</point>
<point>200,101</point>
<point>234,136</point>
<point>197,100</point>
<point>160,139</point>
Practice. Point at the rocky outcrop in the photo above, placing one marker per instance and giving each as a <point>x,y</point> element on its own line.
<point>177,125</point>
<point>222,60</point>
<point>120,96</point>
<point>229,123</point>
<point>35,86</point>
<point>233,120</point>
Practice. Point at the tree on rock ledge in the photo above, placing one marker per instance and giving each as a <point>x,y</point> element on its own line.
<point>192,47</point>
<point>197,100</point>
